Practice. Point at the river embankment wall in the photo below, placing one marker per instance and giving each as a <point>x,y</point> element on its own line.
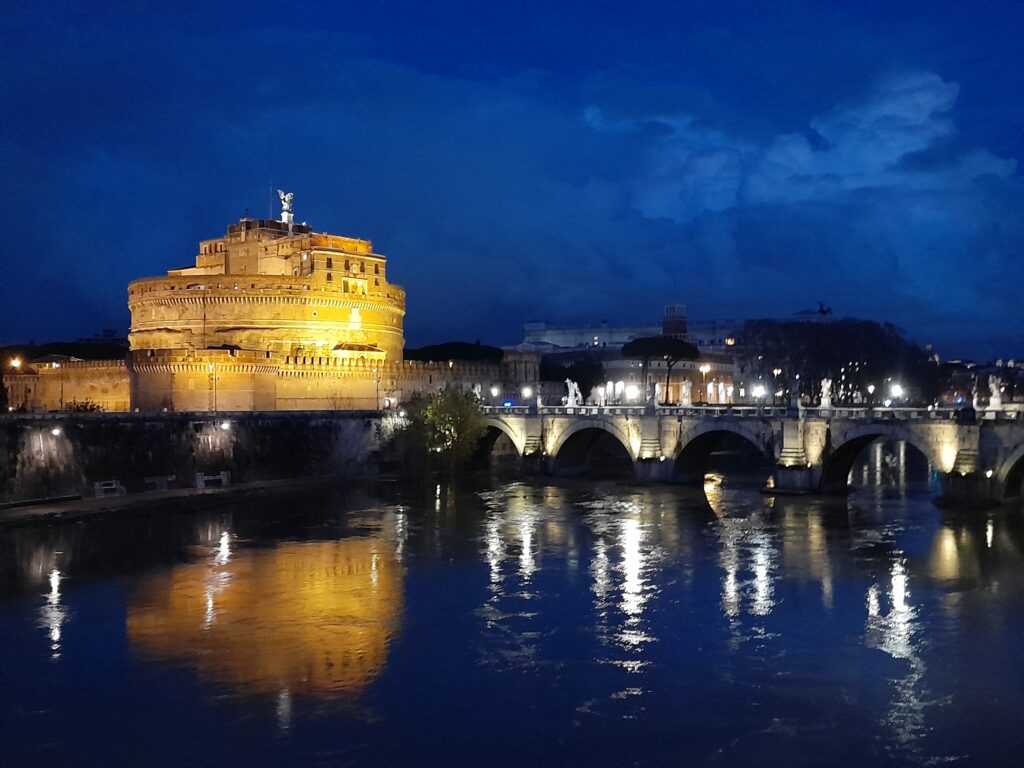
<point>67,454</point>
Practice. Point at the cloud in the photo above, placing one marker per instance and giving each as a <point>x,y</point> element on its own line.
<point>503,199</point>
<point>874,205</point>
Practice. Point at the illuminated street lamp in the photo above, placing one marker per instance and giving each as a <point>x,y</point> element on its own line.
<point>15,363</point>
<point>527,393</point>
<point>897,390</point>
<point>758,391</point>
<point>704,380</point>
<point>58,365</point>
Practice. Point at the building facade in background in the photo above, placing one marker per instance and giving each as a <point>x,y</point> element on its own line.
<point>710,379</point>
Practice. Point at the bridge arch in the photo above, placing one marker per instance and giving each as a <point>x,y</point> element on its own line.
<point>837,465</point>
<point>593,446</point>
<point>603,425</point>
<point>1011,474</point>
<point>497,427</point>
<point>696,445</point>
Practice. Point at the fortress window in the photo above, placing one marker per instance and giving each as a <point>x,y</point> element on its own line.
<point>330,277</point>
<point>330,263</point>
<point>376,281</point>
<point>376,269</point>
<point>345,286</point>
<point>362,266</point>
<point>348,264</point>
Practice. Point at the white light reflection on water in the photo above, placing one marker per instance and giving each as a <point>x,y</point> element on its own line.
<point>513,519</point>
<point>764,588</point>
<point>527,556</point>
<point>495,550</point>
<point>223,550</point>
<point>746,547</point>
<point>894,633</point>
<point>622,560</point>
<point>52,615</point>
<point>217,580</point>
<point>401,532</point>
<point>630,539</point>
<point>283,710</point>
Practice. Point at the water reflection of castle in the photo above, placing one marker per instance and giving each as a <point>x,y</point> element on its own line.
<point>303,618</point>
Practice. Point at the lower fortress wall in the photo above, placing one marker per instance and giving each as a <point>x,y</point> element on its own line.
<point>226,380</point>
<point>47,456</point>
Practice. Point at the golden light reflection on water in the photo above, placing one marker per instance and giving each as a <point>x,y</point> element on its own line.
<point>805,553</point>
<point>303,618</point>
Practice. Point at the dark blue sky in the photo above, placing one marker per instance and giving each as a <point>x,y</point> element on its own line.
<point>563,161</point>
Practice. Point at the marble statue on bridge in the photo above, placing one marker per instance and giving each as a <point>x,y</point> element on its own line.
<point>995,395</point>
<point>826,393</point>
<point>687,392</point>
<point>573,398</point>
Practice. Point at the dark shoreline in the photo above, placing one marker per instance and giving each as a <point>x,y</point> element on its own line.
<point>154,501</point>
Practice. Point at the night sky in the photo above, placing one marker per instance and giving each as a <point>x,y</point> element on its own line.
<point>531,161</point>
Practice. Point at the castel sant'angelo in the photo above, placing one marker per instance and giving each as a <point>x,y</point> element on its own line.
<point>273,316</point>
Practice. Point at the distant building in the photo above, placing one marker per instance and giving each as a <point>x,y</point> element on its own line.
<point>711,378</point>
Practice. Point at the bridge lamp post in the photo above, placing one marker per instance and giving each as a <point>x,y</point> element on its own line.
<point>897,391</point>
<point>527,393</point>
<point>15,363</point>
<point>58,365</point>
<point>495,392</point>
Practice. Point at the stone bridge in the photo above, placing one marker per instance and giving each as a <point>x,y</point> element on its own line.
<point>979,459</point>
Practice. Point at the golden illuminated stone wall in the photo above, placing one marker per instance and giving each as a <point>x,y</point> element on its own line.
<point>311,618</point>
<point>262,289</point>
<point>50,387</point>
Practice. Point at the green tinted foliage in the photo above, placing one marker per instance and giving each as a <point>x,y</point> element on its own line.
<point>443,429</point>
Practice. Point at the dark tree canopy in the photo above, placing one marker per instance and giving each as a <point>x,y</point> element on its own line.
<point>587,372</point>
<point>667,348</point>
<point>456,350</point>
<point>862,351</point>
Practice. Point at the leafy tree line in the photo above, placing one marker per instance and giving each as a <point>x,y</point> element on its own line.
<point>440,431</point>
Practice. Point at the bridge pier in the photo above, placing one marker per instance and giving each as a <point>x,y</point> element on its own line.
<point>797,480</point>
<point>972,489</point>
<point>653,470</point>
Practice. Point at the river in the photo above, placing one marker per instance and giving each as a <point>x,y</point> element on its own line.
<point>520,623</point>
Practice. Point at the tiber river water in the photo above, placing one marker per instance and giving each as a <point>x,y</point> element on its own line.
<point>517,624</point>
